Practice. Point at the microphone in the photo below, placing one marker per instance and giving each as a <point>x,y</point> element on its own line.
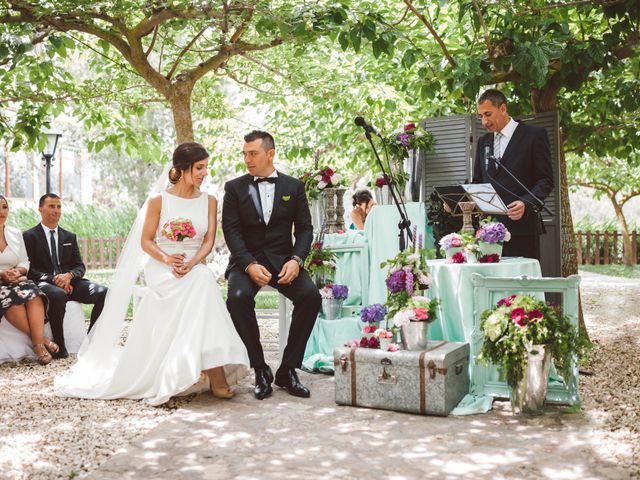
<point>487,156</point>
<point>360,121</point>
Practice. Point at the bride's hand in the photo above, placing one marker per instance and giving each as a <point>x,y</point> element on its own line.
<point>182,270</point>
<point>174,260</point>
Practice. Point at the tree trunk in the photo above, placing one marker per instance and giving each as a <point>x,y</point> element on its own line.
<point>627,257</point>
<point>545,100</point>
<point>180,100</point>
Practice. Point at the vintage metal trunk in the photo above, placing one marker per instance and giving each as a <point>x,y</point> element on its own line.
<point>429,382</point>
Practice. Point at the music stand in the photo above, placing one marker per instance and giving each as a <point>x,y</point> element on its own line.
<point>467,199</point>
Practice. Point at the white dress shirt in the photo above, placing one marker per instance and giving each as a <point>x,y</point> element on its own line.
<point>501,138</point>
<point>47,234</point>
<point>267,193</point>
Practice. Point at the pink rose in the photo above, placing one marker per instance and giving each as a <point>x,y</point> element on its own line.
<point>421,314</point>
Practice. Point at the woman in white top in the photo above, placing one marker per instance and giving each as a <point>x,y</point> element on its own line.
<point>22,303</point>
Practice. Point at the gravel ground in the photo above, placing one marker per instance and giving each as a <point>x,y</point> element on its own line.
<point>46,437</point>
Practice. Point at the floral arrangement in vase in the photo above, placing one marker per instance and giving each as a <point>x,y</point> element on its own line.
<point>417,309</point>
<point>459,247</point>
<point>407,274</point>
<point>316,182</point>
<point>320,263</point>
<point>490,238</point>
<point>385,337</point>
<point>334,291</point>
<point>517,326</point>
<point>412,137</point>
<point>373,313</point>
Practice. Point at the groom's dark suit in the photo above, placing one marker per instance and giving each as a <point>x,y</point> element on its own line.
<point>41,271</point>
<point>251,240</point>
<point>528,157</point>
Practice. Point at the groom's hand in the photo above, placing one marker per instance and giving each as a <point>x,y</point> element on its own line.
<point>258,274</point>
<point>290,271</point>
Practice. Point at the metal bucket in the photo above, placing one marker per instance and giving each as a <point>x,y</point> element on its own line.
<point>332,308</point>
<point>415,335</point>
<point>531,391</point>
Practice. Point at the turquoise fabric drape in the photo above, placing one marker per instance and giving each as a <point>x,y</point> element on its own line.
<point>381,231</point>
<point>349,265</point>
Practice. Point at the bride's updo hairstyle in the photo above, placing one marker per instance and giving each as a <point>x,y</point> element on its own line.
<point>184,157</point>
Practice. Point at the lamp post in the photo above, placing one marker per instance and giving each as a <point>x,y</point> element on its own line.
<point>48,153</point>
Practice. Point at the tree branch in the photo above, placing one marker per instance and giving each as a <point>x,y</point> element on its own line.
<point>233,77</point>
<point>435,35</point>
<point>629,196</point>
<point>243,25</point>
<point>153,42</point>
<point>485,30</point>
<point>184,51</point>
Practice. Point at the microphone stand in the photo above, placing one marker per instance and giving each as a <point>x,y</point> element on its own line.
<point>540,202</point>
<point>404,223</point>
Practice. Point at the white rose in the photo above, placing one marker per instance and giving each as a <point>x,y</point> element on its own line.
<point>335,178</point>
<point>424,279</point>
<point>402,318</point>
<point>507,236</point>
<point>322,184</point>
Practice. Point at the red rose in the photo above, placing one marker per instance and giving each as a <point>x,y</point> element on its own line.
<point>535,315</point>
<point>380,182</point>
<point>457,258</point>
<point>409,127</point>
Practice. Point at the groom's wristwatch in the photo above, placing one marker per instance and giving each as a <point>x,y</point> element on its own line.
<point>297,259</point>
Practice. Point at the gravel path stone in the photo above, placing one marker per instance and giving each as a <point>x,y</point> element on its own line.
<point>200,437</point>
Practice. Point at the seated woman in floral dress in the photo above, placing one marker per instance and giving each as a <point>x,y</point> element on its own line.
<point>22,303</point>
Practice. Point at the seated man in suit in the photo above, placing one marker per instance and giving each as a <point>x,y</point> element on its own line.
<point>57,268</point>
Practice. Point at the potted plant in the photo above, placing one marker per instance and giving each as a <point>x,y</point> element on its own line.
<point>407,276</point>
<point>413,320</point>
<point>402,148</point>
<point>333,295</point>
<point>320,263</point>
<point>490,237</point>
<point>460,247</point>
<point>373,314</point>
<point>385,337</point>
<point>521,336</point>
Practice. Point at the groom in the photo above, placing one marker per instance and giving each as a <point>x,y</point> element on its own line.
<point>258,213</point>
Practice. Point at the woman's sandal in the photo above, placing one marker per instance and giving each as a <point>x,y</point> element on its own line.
<point>44,357</point>
<point>222,392</point>
<point>51,346</point>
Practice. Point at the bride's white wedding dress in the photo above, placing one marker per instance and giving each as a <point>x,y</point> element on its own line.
<point>181,327</point>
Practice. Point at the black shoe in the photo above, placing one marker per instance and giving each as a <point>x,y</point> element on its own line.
<point>264,377</point>
<point>61,354</point>
<point>288,379</point>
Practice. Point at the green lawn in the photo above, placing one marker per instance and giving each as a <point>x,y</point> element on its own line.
<point>613,270</point>
<point>264,300</point>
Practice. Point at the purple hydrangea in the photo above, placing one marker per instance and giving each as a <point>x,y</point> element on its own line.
<point>340,291</point>
<point>396,281</point>
<point>373,313</point>
<point>408,282</point>
<point>492,233</point>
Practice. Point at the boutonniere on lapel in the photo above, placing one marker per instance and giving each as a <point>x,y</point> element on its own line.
<point>286,198</point>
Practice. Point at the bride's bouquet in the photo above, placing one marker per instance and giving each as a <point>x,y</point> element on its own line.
<point>177,230</point>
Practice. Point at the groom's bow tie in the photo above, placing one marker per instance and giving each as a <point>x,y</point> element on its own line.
<point>266,179</point>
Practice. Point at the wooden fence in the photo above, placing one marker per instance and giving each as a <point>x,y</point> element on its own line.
<point>594,248</point>
<point>603,248</point>
<point>100,253</point>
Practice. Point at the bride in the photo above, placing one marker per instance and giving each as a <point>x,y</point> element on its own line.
<point>181,326</point>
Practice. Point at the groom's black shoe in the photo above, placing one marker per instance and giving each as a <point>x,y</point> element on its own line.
<point>264,377</point>
<point>287,378</point>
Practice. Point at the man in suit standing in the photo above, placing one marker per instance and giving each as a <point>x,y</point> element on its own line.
<point>57,268</point>
<point>524,151</point>
<point>258,213</point>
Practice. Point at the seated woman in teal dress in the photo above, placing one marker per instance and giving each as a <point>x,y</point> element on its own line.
<point>362,204</point>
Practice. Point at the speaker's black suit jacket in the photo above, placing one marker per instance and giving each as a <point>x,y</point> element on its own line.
<point>248,237</point>
<point>528,157</point>
<point>37,243</point>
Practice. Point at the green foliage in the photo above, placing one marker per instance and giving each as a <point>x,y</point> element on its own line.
<point>624,271</point>
<point>83,220</point>
<point>320,263</point>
